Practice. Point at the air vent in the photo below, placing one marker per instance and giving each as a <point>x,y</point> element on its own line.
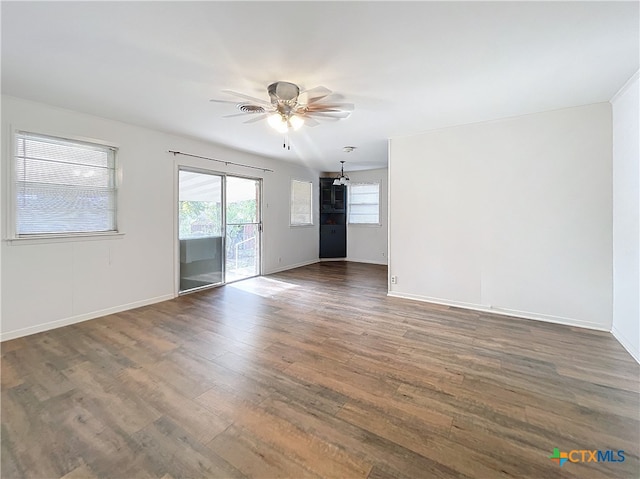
<point>249,108</point>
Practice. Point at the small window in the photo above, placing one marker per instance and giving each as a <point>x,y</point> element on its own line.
<point>63,186</point>
<point>301,203</point>
<point>364,203</point>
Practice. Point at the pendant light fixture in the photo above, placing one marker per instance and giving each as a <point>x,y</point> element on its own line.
<point>342,179</point>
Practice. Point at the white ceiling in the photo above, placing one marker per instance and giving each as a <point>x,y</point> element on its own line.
<point>408,67</point>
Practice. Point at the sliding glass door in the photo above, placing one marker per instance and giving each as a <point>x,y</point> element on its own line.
<point>243,228</point>
<point>201,229</point>
<point>219,228</point>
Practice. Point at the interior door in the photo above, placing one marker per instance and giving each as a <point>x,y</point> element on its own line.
<point>201,229</point>
<point>243,228</point>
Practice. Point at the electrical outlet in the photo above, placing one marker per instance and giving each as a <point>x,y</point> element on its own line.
<point>394,280</point>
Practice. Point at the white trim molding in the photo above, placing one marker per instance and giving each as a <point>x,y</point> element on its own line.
<point>626,344</point>
<point>291,266</point>
<point>367,261</point>
<point>39,328</point>
<point>502,311</point>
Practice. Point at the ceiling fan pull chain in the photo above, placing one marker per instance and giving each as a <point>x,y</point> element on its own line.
<point>286,143</point>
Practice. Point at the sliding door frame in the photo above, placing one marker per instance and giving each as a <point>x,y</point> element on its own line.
<point>259,223</point>
<point>176,224</point>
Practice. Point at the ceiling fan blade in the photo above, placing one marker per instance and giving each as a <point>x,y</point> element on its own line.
<point>315,94</point>
<point>247,97</point>
<point>329,114</point>
<point>308,121</point>
<point>332,107</point>
<point>258,118</point>
<point>215,100</point>
<point>238,114</point>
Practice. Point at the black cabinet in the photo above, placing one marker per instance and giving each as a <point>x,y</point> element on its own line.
<point>332,198</point>
<point>333,219</point>
<point>333,241</point>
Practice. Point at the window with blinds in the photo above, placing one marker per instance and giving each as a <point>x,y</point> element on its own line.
<point>63,186</point>
<point>301,196</point>
<point>364,203</point>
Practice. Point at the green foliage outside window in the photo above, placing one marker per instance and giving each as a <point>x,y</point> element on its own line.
<point>204,218</point>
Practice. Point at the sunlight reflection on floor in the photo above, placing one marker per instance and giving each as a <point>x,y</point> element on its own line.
<point>265,287</point>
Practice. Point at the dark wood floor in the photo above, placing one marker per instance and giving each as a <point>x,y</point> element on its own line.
<point>314,372</point>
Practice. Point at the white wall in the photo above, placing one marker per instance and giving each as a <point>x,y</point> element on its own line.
<point>49,284</point>
<point>512,215</point>
<point>626,217</point>
<point>368,243</point>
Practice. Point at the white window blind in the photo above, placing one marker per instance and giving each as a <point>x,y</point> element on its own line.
<point>364,203</point>
<point>301,194</point>
<point>63,186</point>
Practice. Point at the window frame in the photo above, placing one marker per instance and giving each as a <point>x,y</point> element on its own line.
<point>378,183</point>
<point>11,234</point>
<point>310,183</point>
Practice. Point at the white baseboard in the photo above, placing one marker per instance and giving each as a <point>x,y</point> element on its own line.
<point>503,311</point>
<point>367,261</point>
<point>291,266</point>
<point>626,344</point>
<point>39,328</point>
<point>351,260</point>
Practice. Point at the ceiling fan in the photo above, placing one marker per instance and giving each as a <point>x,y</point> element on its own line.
<point>288,107</point>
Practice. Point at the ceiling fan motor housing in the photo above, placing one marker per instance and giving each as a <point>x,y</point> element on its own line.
<point>282,91</point>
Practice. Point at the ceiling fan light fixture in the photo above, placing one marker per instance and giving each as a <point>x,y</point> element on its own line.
<point>289,108</point>
<point>296,122</point>
<point>278,123</point>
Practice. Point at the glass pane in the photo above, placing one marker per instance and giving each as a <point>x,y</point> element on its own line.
<point>300,202</point>
<point>338,194</point>
<point>325,195</point>
<point>242,200</point>
<point>63,187</point>
<point>54,209</point>
<point>58,150</point>
<point>364,200</point>
<point>243,234</point>
<point>242,251</point>
<point>200,229</point>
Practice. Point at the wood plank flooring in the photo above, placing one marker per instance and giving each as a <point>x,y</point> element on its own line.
<point>315,372</point>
